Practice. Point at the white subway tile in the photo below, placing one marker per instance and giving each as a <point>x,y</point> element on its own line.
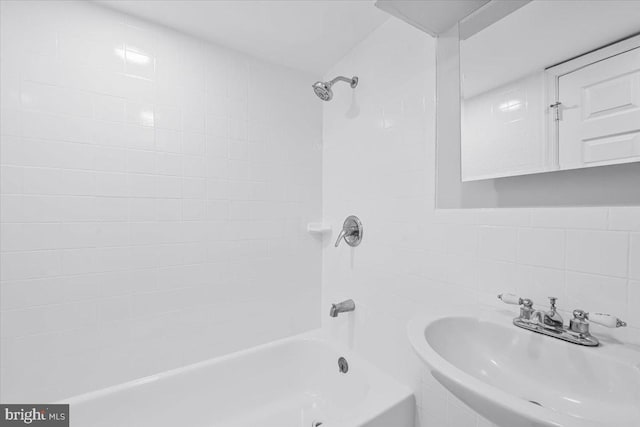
<point>505,217</point>
<point>140,114</point>
<point>194,188</point>
<point>193,210</point>
<point>169,140</point>
<point>59,182</point>
<point>542,247</point>
<point>10,121</point>
<point>111,184</point>
<point>135,136</point>
<point>168,118</point>
<point>78,261</point>
<point>194,143</point>
<point>78,235</point>
<point>140,64</point>
<point>169,209</point>
<point>72,208</point>
<point>194,166</point>
<point>55,99</point>
<point>40,125</point>
<point>599,252</point>
<point>24,294</point>
<point>143,162</point>
<point>461,239</point>
<point>539,283</point>
<point>30,237</point>
<point>108,108</point>
<point>11,208</point>
<point>624,218</point>
<point>141,185</point>
<point>597,294</point>
<point>109,159</point>
<point>18,323</point>
<point>114,309</point>
<point>112,234</point>
<point>587,218</point>
<point>68,316</point>
<point>498,243</point>
<point>11,179</point>
<point>169,164</point>
<point>111,209</point>
<point>498,277</point>
<point>194,119</point>
<point>30,265</point>
<point>169,186</point>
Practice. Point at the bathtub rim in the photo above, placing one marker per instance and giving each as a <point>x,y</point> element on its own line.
<point>387,389</point>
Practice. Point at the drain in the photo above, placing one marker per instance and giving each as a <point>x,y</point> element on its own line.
<point>536,403</point>
<point>343,365</point>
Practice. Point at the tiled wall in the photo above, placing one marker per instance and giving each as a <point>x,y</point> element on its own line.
<point>379,150</point>
<point>155,192</point>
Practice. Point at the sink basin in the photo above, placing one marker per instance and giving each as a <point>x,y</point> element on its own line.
<point>515,377</point>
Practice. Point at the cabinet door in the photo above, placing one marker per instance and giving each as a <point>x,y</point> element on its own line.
<point>600,114</point>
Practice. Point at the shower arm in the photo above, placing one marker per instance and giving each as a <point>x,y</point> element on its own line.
<point>352,81</point>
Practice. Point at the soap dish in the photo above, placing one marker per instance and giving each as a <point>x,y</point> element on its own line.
<point>318,228</point>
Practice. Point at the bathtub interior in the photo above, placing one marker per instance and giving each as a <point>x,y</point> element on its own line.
<point>293,383</point>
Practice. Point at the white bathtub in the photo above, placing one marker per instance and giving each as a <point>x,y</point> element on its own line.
<point>293,382</point>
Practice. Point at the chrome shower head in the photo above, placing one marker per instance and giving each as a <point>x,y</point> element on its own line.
<point>323,89</point>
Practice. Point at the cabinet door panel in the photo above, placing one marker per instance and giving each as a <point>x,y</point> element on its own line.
<point>600,120</point>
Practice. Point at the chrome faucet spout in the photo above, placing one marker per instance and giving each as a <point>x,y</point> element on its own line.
<point>550,319</point>
<point>342,307</point>
<point>547,319</point>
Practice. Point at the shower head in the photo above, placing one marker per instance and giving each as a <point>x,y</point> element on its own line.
<point>323,89</point>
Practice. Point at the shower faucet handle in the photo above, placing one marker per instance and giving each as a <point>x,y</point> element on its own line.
<point>341,236</point>
<point>351,231</point>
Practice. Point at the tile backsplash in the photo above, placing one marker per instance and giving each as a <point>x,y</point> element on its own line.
<point>154,195</point>
<point>415,258</point>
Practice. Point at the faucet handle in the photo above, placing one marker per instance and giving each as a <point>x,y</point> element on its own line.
<point>351,231</point>
<point>580,314</point>
<point>605,320</point>
<point>341,236</point>
<point>552,302</point>
<point>515,300</point>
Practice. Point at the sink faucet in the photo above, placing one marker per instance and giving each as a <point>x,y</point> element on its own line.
<point>342,307</point>
<point>550,322</point>
<point>550,319</point>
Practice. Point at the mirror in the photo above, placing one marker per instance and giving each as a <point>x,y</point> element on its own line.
<point>549,85</point>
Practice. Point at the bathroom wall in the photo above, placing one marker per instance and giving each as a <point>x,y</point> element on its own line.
<point>379,164</point>
<point>155,192</point>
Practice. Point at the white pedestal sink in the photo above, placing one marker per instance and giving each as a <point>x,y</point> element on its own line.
<point>517,378</point>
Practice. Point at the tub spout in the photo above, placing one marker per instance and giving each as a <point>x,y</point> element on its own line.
<point>342,307</point>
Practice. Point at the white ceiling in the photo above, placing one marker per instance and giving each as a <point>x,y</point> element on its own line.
<point>307,35</point>
<point>433,16</point>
